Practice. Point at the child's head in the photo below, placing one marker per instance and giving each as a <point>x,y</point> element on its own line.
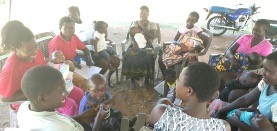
<point>192,19</point>
<point>44,87</point>
<point>74,13</point>
<point>17,37</point>
<point>57,57</point>
<point>255,59</point>
<point>198,80</point>
<point>270,69</point>
<point>249,79</point>
<point>97,88</point>
<point>170,75</point>
<point>100,26</point>
<point>260,28</point>
<point>134,30</point>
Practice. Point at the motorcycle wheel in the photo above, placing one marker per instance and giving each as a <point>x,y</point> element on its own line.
<point>217,20</point>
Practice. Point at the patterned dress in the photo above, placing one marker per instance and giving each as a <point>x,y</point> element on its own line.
<point>175,119</point>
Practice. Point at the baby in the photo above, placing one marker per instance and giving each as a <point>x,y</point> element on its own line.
<point>223,64</point>
<point>246,81</point>
<point>138,35</point>
<point>57,61</point>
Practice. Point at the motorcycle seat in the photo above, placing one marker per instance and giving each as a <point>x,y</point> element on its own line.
<point>220,9</point>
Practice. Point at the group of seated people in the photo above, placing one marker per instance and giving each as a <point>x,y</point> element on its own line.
<point>56,98</point>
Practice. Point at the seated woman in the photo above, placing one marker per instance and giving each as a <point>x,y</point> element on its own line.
<point>248,44</point>
<point>18,37</point>
<point>265,92</point>
<point>139,62</point>
<point>195,96</point>
<point>67,42</point>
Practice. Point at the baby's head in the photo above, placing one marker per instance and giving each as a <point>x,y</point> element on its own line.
<point>255,59</point>
<point>170,75</point>
<point>134,30</point>
<point>44,87</point>
<point>57,57</point>
<point>101,26</point>
<point>97,86</point>
<point>198,80</point>
<point>249,79</point>
<point>192,19</point>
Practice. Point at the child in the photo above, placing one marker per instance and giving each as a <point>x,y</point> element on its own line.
<point>138,35</point>
<point>246,81</point>
<point>46,93</point>
<point>265,93</point>
<point>99,42</point>
<point>167,87</point>
<point>57,61</point>
<point>196,86</point>
<point>97,95</point>
<point>177,52</point>
<point>250,62</point>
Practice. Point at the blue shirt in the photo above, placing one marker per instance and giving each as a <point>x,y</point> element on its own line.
<point>266,102</point>
<point>87,98</point>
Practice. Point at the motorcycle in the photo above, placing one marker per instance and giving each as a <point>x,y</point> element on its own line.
<point>229,19</point>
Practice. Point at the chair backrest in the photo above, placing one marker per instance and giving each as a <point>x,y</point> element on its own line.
<point>208,40</point>
<point>42,40</point>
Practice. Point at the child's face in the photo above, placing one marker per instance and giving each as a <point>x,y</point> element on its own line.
<point>104,29</point>
<point>246,80</point>
<point>56,98</point>
<point>191,21</point>
<point>97,89</point>
<point>270,72</point>
<point>59,58</point>
<point>171,78</point>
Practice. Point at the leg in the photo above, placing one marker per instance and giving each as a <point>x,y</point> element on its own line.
<point>69,108</point>
<point>104,65</point>
<point>161,65</point>
<point>76,94</point>
<point>80,82</point>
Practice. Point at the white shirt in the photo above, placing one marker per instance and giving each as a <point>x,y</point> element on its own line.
<point>101,44</point>
<point>183,29</point>
<point>140,39</point>
<point>45,121</point>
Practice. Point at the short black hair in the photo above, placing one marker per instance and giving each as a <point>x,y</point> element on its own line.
<point>99,24</point>
<point>144,8</point>
<point>14,33</point>
<point>169,71</point>
<point>74,8</point>
<point>194,14</point>
<point>263,22</point>
<point>272,56</point>
<point>97,77</point>
<point>203,79</point>
<point>40,80</point>
<point>65,19</point>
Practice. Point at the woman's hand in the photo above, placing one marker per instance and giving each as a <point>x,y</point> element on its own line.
<point>219,114</point>
<point>135,48</point>
<point>88,116</point>
<point>71,65</point>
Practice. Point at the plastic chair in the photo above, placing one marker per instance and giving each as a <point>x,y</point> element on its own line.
<point>156,44</point>
<point>42,40</point>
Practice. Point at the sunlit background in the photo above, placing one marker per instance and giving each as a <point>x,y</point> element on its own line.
<point>43,15</point>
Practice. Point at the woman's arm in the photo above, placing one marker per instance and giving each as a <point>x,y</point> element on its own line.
<point>243,101</point>
<point>18,96</point>
<point>149,34</point>
<point>177,36</point>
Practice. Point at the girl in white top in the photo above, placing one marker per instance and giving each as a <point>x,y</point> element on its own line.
<point>99,42</point>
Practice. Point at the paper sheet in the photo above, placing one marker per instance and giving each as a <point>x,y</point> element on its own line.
<point>86,71</point>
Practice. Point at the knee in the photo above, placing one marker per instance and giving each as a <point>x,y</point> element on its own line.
<point>103,64</point>
<point>115,61</point>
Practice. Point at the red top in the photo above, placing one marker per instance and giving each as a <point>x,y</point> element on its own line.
<point>68,48</point>
<point>13,71</point>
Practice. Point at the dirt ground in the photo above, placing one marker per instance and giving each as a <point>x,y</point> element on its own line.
<point>133,101</point>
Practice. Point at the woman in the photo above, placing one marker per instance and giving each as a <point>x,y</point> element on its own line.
<point>195,96</point>
<point>139,62</point>
<point>251,43</point>
<point>20,39</point>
